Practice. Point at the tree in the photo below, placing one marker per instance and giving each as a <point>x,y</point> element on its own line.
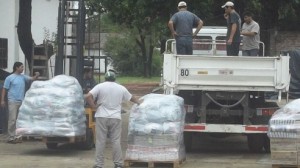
<point>147,18</point>
<point>24,29</point>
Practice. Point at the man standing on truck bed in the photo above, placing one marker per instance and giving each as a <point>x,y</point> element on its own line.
<point>181,26</point>
<point>250,32</point>
<point>233,29</point>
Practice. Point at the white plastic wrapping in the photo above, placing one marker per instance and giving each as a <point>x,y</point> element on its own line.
<point>285,122</point>
<point>155,131</point>
<point>53,108</point>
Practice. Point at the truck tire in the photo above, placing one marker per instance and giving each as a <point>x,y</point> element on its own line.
<point>88,144</point>
<point>256,142</point>
<point>267,145</point>
<point>52,145</point>
<point>188,141</point>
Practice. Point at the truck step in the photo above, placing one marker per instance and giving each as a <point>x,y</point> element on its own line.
<point>285,166</point>
<point>153,164</point>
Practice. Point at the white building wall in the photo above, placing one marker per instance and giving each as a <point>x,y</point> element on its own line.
<point>8,29</point>
<point>44,14</point>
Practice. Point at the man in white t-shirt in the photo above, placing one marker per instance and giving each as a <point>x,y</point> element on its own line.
<point>109,96</point>
<point>251,39</point>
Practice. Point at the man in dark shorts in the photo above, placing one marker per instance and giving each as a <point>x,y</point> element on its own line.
<point>181,26</point>
<point>233,38</point>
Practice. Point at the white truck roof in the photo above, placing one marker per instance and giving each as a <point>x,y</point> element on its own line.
<point>212,30</point>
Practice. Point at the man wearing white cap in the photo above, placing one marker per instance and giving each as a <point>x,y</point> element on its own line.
<point>181,26</point>
<point>233,29</point>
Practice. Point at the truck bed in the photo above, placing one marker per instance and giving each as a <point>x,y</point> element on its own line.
<point>226,73</point>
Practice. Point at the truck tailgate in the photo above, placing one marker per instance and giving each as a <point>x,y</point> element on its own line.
<point>226,73</point>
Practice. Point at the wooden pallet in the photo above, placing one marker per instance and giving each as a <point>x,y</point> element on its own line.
<point>285,166</point>
<point>176,163</point>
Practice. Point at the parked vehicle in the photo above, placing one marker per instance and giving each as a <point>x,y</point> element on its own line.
<point>225,94</point>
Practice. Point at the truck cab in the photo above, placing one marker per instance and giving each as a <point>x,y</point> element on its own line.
<point>211,40</point>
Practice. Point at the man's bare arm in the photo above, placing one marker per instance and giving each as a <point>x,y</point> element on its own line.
<point>90,100</point>
<point>248,33</point>
<point>171,27</point>
<point>200,25</point>
<point>134,100</point>
<point>36,75</point>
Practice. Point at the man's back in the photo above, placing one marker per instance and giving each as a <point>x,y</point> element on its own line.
<point>109,96</point>
<point>185,21</point>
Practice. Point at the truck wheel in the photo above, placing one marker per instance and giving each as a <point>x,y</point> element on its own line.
<point>267,146</point>
<point>188,139</point>
<point>51,145</point>
<point>88,144</point>
<point>256,142</point>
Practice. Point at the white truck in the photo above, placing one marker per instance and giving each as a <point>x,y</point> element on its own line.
<point>225,94</point>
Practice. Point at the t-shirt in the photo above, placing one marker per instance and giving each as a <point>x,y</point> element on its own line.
<point>184,22</point>
<point>15,84</point>
<point>109,96</point>
<point>251,42</point>
<point>234,18</point>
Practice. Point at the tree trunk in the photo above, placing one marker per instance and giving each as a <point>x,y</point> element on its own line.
<point>142,44</point>
<point>24,29</point>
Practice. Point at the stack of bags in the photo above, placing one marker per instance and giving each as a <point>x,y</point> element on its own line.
<point>155,131</point>
<point>284,133</point>
<point>53,108</point>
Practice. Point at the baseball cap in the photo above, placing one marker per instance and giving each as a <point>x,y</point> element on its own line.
<point>110,76</point>
<point>228,3</point>
<point>182,3</point>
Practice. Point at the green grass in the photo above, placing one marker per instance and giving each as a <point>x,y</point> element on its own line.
<point>131,80</point>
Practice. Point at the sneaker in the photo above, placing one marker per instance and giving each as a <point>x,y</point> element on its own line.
<point>18,140</point>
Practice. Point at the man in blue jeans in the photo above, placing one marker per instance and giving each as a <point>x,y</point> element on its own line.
<point>14,87</point>
<point>181,26</point>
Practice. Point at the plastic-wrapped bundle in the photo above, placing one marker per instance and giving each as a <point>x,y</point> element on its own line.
<point>285,122</point>
<point>53,108</point>
<point>143,153</point>
<point>157,114</point>
<point>156,129</point>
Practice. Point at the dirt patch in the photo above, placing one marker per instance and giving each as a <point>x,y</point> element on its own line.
<point>141,89</point>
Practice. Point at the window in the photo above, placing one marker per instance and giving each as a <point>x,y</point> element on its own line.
<point>221,43</point>
<point>3,53</point>
<point>202,43</point>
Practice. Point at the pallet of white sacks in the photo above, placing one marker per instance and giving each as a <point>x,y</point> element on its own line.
<point>152,164</point>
